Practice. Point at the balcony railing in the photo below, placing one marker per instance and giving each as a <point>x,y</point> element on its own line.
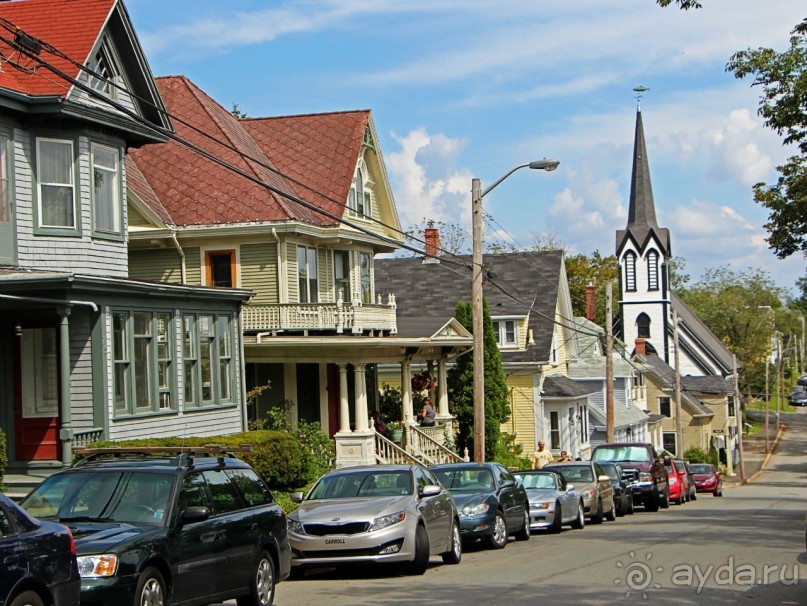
<point>339,317</point>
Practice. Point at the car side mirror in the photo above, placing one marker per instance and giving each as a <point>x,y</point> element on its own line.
<point>668,461</point>
<point>296,497</point>
<point>603,478</point>
<point>195,513</point>
<point>430,490</point>
<point>508,483</point>
<point>569,487</point>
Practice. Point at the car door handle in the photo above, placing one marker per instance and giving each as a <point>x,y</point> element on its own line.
<point>11,561</point>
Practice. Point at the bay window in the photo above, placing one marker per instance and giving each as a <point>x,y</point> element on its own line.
<point>106,189</point>
<point>56,192</point>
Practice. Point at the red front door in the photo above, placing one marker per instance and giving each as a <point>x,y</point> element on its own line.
<point>36,394</point>
<point>333,399</point>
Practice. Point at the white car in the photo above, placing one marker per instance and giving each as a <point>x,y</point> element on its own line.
<point>553,502</point>
<point>374,513</point>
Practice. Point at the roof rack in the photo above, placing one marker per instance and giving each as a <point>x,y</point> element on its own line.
<point>183,454</point>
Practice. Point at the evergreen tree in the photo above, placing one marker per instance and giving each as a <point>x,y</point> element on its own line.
<point>461,386</point>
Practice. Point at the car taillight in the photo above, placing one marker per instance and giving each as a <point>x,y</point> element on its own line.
<point>72,542</point>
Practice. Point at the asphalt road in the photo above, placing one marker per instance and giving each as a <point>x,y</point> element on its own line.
<point>710,551</point>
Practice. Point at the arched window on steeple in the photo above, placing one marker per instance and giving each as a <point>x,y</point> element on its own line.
<point>630,271</point>
<point>652,270</point>
<point>643,326</point>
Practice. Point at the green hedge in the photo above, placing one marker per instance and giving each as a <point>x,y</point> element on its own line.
<point>3,458</point>
<point>278,457</point>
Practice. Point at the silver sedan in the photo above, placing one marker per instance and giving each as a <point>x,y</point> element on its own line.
<point>553,502</point>
<point>377,513</point>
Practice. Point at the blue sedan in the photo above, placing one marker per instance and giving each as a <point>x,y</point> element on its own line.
<point>38,564</point>
<point>492,505</point>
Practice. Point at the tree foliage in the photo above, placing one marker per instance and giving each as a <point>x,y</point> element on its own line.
<point>454,240</point>
<point>461,387</point>
<point>682,4</point>
<point>582,270</point>
<point>783,105</point>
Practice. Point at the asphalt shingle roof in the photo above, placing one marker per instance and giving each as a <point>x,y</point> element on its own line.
<point>427,293</point>
<point>559,386</point>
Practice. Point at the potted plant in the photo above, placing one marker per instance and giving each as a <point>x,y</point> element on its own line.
<point>395,429</point>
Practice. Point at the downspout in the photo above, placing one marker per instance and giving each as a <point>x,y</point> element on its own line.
<point>282,271</point>
<point>181,252</point>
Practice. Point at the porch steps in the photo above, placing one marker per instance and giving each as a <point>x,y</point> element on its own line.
<point>19,481</point>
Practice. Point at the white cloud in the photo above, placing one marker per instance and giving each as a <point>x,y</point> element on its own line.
<point>426,180</point>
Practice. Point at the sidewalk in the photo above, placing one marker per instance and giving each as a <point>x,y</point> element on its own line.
<point>754,455</point>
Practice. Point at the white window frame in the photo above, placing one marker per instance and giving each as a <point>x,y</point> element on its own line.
<point>366,277</point>
<point>360,197</point>
<point>307,275</point>
<point>71,185</point>
<point>500,328</point>
<point>209,336</point>
<point>113,207</point>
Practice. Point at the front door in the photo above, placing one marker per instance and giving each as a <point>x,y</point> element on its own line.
<point>36,394</point>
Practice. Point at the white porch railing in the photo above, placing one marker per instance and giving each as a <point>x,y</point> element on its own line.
<point>85,437</point>
<point>356,318</point>
<point>420,443</point>
<point>388,452</point>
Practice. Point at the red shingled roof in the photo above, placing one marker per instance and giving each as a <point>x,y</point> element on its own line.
<point>318,150</point>
<point>72,26</point>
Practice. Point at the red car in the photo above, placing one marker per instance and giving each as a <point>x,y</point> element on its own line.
<point>707,478</point>
<point>688,480</point>
<point>677,493</point>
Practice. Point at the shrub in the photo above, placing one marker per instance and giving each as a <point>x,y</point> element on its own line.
<point>390,403</point>
<point>510,454</point>
<point>281,459</point>
<point>695,454</point>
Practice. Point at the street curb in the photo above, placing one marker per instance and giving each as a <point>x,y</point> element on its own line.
<point>767,458</point>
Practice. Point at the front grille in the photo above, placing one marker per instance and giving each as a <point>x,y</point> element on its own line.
<point>346,553</point>
<point>323,530</point>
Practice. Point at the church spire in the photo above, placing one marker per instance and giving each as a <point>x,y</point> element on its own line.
<point>642,210</point>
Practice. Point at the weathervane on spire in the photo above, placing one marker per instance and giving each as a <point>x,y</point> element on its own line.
<point>640,91</point>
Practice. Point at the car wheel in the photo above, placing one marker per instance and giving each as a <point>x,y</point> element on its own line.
<point>598,517</point>
<point>557,521</point>
<point>693,496</point>
<point>27,598</point>
<point>664,501</point>
<point>454,555</point>
<point>611,515</point>
<point>524,533</point>
<point>580,521</point>
<point>622,508</point>
<point>421,561</point>
<point>631,505</point>
<point>262,586</point>
<point>499,537</point>
<point>150,588</point>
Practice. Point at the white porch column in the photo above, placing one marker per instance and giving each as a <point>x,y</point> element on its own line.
<point>344,410</point>
<point>65,405</point>
<point>360,385</point>
<point>406,391</point>
<point>442,389</point>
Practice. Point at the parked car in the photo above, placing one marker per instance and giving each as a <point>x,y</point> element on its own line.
<point>623,487</point>
<point>37,560</point>
<point>687,479</point>
<point>374,514</point>
<point>707,478</point>
<point>156,525</point>
<point>491,503</point>
<point>591,481</point>
<point>802,380</point>
<point>677,493</point>
<point>652,489</point>
<point>553,502</point>
<point>799,396</point>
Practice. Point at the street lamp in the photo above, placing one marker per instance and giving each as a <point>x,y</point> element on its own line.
<point>477,194</point>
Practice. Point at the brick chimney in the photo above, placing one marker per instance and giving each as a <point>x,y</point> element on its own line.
<point>432,238</point>
<point>638,348</point>
<point>591,304</point>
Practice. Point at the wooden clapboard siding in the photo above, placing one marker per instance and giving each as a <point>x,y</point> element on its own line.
<point>291,273</point>
<point>522,416</point>
<point>259,271</point>
<point>160,265</point>
<point>193,265</point>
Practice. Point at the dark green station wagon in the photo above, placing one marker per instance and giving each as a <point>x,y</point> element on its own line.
<point>168,526</point>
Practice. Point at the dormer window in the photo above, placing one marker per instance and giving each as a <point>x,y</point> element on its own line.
<point>630,271</point>
<point>506,332</point>
<point>104,66</point>
<point>652,270</point>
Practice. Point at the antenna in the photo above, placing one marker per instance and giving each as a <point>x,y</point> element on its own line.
<point>640,91</point>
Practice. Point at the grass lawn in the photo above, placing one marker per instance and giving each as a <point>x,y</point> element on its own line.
<point>784,405</point>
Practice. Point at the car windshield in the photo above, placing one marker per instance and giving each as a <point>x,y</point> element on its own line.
<point>92,496</point>
<point>680,465</point>
<point>696,468</point>
<point>537,480</point>
<point>465,480</point>
<point>349,485</point>
<point>621,454</point>
<point>576,473</point>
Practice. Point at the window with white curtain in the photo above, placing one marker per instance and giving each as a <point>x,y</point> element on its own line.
<point>307,275</point>
<point>106,189</point>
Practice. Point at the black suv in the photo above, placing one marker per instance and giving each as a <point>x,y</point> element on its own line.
<point>168,525</point>
<point>651,488</point>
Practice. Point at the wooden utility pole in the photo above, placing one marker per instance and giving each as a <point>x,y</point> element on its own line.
<point>767,405</point>
<point>609,366</point>
<point>679,429</point>
<point>739,412</point>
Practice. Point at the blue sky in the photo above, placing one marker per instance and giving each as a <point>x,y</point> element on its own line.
<point>472,89</point>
